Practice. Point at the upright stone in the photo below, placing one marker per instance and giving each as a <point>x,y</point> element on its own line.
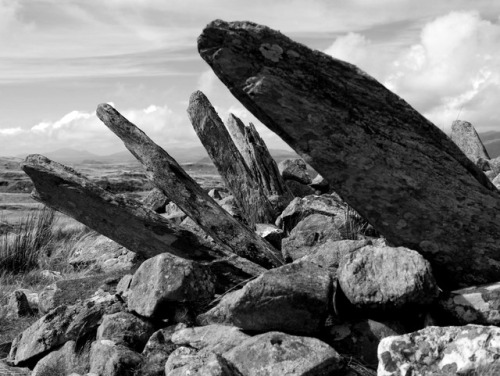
<point>394,167</point>
<point>234,171</point>
<point>465,136</point>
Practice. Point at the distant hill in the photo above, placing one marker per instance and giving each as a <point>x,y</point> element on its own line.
<point>491,141</point>
<point>277,154</point>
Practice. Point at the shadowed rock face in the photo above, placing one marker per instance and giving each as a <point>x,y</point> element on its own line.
<point>388,162</point>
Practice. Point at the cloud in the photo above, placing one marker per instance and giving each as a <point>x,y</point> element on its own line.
<point>83,130</point>
<point>451,68</point>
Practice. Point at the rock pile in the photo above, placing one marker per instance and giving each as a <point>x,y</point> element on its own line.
<point>214,297</point>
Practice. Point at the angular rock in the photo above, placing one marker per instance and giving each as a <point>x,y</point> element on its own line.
<point>360,339</point>
<point>157,350</point>
<point>446,351</point>
<point>175,183</point>
<point>215,338</point>
<point>387,278</point>
<point>65,323</point>
<point>310,233</point>
<point>465,136</point>
<point>473,305</point>
<point>380,155</point>
<point>123,285</point>
<point>257,157</point>
<point>294,298</point>
<point>69,291</point>
<point>156,201</point>
<point>276,353</point>
<point>109,359</point>
<point>299,189</point>
<point>18,305</point>
<point>270,233</point>
<point>237,176</point>
<point>215,194</point>
<point>102,254</point>
<point>187,361</point>
<point>125,329</point>
<point>320,183</point>
<point>163,280</point>
<point>63,361</point>
<point>294,169</point>
<point>300,208</point>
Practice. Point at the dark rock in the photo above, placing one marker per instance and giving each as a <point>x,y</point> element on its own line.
<point>270,233</point>
<point>294,298</point>
<point>387,278</point>
<point>276,353</point>
<point>445,351</point>
<point>320,183</point>
<point>294,169</point>
<point>299,189</point>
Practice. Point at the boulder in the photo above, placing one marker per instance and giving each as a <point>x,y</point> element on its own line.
<point>18,305</point>
<point>215,338</point>
<point>320,184</point>
<point>63,361</point>
<point>62,324</point>
<point>445,351</point>
<point>270,233</point>
<point>298,189</point>
<point>125,329</point>
<point>387,278</point>
<point>157,350</point>
<point>360,338</point>
<point>102,254</point>
<point>188,361</point>
<point>215,194</point>
<point>294,169</point>
<point>473,305</point>
<point>69,291</point>
<point>294,298</point>
<point>156,201</point>
<point>174,213</point>
<point>300,208</point>
<point>165,279</point>
<point>395,168</point>
<point>310,233</point>
<point>109,359</point>
<point>465,136</point>
<point>276,353</point>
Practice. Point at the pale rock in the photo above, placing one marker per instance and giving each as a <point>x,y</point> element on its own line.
<point>109,359</point>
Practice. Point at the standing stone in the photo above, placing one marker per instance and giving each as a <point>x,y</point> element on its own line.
<point>395,168</point>
<point>465,136</point>
<point>444,351</point>
<point>386,278</point>
<point>18,305</point>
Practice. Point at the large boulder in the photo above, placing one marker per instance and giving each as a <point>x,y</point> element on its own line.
<point>215,338</point>
<point>63,324</point>
<point>164,280</point>
<point>110,359</point>
<point>294,298</point>
<point>473,305</point>
<point>299,189</point>
<point>396,169</point>
<point>311,232</point>
<point>63,361</point>
<point>124,328</point>
<point>188,361</point>
<point>465,136</point>
<point>444,351</point>
<point>18,305</point>
<point>387,278</point>
<point>294,169</point>
<point>276,353</point>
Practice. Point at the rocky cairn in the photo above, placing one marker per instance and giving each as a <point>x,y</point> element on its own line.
<point>282,277</point>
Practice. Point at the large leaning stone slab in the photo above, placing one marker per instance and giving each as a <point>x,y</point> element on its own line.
<point>444,351</point>
<point>465,136</point>
<point>276,353</point>
<point>387,278</point>
<point>294,298</point>
<point>474,305</point>
<point>395,168</point>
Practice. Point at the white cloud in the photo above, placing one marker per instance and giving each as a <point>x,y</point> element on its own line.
<point>83,130</point>
<point>456,59</point>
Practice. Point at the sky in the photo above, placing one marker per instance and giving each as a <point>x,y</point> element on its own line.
<point>60,58</point>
